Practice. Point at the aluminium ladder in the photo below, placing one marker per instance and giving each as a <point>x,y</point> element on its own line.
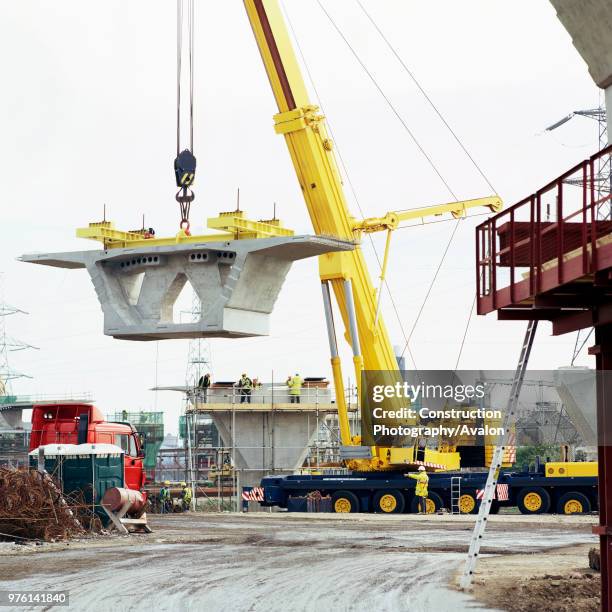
<point>498,454</point>
<point>455,494</point>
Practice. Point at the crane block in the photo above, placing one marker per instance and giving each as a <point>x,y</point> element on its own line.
<point>237,282</point>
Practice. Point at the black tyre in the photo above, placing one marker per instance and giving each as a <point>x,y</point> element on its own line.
<point>494,508</point>
<point>345,501</point>
<point>468,504</point>
<point>533,500</point>
<point>434,503</point>
<point>389,502</point>
<point>573,503</point>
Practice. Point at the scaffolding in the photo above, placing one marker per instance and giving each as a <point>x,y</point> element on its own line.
<point>221,426</point>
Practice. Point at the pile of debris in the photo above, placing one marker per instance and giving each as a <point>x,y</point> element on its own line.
<point>32,507</point>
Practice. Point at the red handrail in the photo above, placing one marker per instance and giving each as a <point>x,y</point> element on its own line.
<point>534,237</point>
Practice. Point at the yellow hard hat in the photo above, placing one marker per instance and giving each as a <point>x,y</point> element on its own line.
<point>183,484</point>
<point>167,482</point>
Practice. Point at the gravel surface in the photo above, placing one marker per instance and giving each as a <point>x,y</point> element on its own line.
<point>281,561</point>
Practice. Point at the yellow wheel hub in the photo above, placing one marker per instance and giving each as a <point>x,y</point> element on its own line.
<point>467,503</point>
<point>342,505</point>
<point>573,506</point>
<point>533,501</point>
<point>430,506</point>
<point>388,503</point>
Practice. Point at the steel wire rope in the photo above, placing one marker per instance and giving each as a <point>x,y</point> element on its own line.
<point>406,337</point>
<point>426,96</point>
<point>180,24</point>
<point>379,88</point>
<point>430,288</point>
<point>388,101</point>
<point>348,179</point>
<point>179,53</point>
<point>450,129</point>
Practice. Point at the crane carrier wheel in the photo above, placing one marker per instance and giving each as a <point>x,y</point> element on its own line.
<point>573,503</point>
<point>533,500</point>
<point>468,503</point>
<point>345,501</point>
<point>389,502</point>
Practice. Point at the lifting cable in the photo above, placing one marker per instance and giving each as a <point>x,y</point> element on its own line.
<point>406,337</point>
<point>426,96</point>
<point>389,103</point>
<point>454,135</point>
<point>432,164</point>
<point>185,161</point>
<point>350,183</point>
<point>463,148</point>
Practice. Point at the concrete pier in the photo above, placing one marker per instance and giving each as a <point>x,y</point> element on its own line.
<point>269,435</point>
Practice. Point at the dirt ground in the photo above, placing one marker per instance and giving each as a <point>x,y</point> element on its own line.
<point>276,561</point>
<point>559,579</point>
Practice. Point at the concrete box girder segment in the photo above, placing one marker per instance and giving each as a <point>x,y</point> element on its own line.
<point>237,282</point>
<point>589,23</point>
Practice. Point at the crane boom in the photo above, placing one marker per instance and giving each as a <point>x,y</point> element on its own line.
<point>312,154</point>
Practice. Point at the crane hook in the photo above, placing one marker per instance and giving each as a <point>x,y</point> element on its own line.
<point>184,171</point>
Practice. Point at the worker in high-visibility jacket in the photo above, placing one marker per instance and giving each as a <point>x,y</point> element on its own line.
<point>421,488</point>
<point>295,388</point>
<point>186,496</point>
<point>165,501</point>
<point>245,385</point>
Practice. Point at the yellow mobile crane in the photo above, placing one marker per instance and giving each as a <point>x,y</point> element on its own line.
<point>343,273</point>
<point>346,273</point>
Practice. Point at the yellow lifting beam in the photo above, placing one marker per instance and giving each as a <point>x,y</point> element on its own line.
<point>233,225</point>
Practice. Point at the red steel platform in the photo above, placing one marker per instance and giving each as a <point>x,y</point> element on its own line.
<point>550,255</point>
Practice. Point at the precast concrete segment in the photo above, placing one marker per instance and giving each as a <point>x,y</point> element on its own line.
<point>237,281</point>
<point>576,389</point>
<point>589,23</point>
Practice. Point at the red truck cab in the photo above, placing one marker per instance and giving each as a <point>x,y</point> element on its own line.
<point>84,423</point>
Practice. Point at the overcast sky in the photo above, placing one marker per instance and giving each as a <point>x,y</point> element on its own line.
<point>88,118</point>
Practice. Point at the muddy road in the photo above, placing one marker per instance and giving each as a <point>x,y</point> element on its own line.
<point>280,561</point>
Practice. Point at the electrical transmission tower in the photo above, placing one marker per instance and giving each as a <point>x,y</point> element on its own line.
<point>603,171</point>
<point>199,357</point>
<point>8,345</point>
<point>602,182</point>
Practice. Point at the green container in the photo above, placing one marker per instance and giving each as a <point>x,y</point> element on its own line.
<point>89,468</point>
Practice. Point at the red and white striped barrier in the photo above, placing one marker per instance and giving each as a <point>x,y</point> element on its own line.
<point>255,494</point>
<point>502,493</point>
